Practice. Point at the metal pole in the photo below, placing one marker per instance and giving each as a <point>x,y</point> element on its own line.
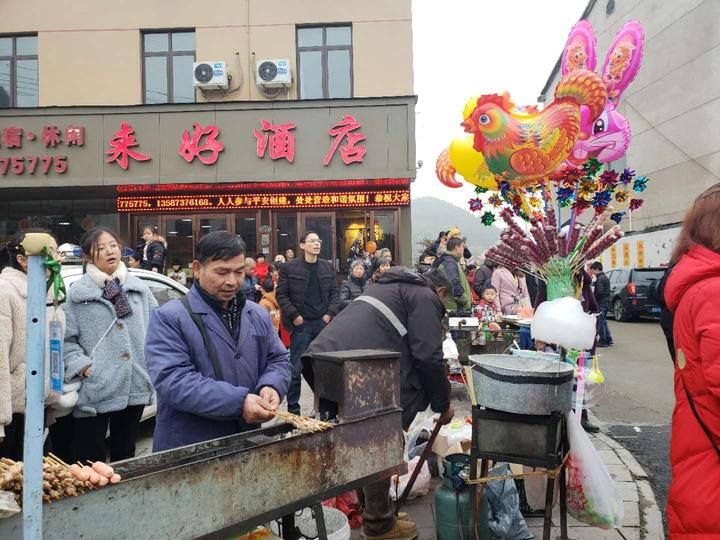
<point>34,400</point>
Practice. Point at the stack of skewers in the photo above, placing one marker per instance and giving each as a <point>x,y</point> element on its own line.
<point>546,252</point>
<point>59,479</point>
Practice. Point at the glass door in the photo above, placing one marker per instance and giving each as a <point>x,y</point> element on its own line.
<point>180,237</point>
<point>285,228</point>
<point>184,232</point>
<point>350,225</point>
<point>384,231</point>
<point>323,223</point>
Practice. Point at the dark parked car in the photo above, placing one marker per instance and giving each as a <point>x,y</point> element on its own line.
<point>634,293</point>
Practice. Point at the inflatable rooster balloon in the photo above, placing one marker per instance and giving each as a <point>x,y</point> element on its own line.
<point>521,147</point>
<point>607,137</point>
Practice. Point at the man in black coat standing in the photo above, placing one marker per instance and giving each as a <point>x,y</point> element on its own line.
<point>402,312</point>
<point>308,295</point>
<point>602,297</point>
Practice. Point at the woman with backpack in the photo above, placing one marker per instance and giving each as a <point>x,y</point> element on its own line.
<point>692,293</point>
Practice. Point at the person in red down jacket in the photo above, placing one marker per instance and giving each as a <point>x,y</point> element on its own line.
<point>692,293</point>
<point>261,268</point>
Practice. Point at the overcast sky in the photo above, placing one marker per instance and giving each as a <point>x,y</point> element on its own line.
<point>470,47</point>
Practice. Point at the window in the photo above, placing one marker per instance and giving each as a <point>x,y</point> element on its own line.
<point>324,62</point>
<point>168,59</point>
<point>162,292</point>
<point>18,71</point>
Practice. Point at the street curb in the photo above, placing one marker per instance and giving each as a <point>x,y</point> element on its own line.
<point>651,525</point>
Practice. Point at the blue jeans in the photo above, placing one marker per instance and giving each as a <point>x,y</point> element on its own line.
<point>300,340</point>
<point>603,329</point>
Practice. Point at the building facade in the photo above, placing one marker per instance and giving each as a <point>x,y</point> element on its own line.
<point>673,107</point>
<point>110,115</point>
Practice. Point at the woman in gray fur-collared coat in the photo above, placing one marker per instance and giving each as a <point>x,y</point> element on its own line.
<point>108,312</point>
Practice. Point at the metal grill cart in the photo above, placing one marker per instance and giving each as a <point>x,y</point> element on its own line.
<point>227,486</point>
<point>520,418</point>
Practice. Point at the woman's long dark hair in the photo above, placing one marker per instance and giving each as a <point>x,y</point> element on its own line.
<point>10,250</point>
<point>13,247</point>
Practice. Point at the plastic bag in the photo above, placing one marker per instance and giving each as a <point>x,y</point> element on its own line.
<point>592,495</point>
<point>506,521</point>
<point>349,505</point>
<point>594,385</point>
<point>536,490</point>
<point>451,354</point>
<point>8,504</point>
<point>419,431</point>
<point>421,486</point>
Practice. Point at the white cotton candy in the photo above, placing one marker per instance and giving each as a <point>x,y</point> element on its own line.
<point>563,322</point>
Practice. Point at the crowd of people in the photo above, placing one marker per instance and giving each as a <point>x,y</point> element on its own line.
<point>221,360</point>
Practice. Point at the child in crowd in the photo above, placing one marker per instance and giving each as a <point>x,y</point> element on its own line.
<point>488,309</point>
<point>178,274</point>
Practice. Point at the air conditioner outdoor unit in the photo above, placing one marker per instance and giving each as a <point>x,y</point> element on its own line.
<point>210,75</point>
<point>273,73</point>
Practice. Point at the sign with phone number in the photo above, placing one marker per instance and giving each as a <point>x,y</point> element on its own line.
<point>32,164</point>
<point>227,201</point>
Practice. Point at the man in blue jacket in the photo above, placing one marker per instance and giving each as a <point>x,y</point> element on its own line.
<point>216,361</point>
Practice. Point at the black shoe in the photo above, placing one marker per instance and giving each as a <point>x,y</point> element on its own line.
<point>602,344</point>
<point>586,425</point>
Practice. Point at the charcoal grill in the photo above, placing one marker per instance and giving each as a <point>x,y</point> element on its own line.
<point>223,487</point>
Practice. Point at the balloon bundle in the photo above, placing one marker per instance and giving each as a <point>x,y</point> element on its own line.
<point>550,254</point>
<point>514,153</point>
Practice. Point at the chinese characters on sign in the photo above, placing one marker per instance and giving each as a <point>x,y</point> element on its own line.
<point>120,147</point>
<point>282,142</point>
<point>51,136</point>
<point>207,152</point>
<point>349,152</point>
<point>277,141</point>
<point>254,201</point>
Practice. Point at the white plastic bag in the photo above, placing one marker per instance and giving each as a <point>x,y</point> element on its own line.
<point>451,354</point>
<point>536,490</point>
<point>8,504</point>
<point>421,486</point>
<point>592,495</point>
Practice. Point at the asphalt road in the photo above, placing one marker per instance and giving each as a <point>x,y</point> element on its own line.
<point>637,406</point>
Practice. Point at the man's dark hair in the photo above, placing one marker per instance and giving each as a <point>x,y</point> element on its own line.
<point>268,285</point>
<point>437,279</point>
<point>259,255</point>
<point>177,263</point>
<point>304,236</point>
<point>454,242</point>
<point>219,245</point>
<point>597,265</point>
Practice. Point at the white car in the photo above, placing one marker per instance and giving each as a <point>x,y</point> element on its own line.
<point>162,287</point>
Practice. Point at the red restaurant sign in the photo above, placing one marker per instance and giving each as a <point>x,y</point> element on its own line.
<point>254,201</point>
<point>126,146</point>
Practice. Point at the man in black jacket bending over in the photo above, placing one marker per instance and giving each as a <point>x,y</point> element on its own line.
<point>602,297</point>
<point>309,298</point>
<point>402,312</point>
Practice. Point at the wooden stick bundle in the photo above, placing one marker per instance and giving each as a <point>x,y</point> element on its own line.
<point>303,423</point>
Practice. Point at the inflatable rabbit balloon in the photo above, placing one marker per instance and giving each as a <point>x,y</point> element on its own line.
<point>606,138</point>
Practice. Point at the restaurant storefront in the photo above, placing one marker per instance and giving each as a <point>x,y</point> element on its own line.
<point>264,171</point>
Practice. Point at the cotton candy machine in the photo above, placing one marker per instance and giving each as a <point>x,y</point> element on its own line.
<point>519,418</point>
<point>522,385</point>
<point>220,488</point>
